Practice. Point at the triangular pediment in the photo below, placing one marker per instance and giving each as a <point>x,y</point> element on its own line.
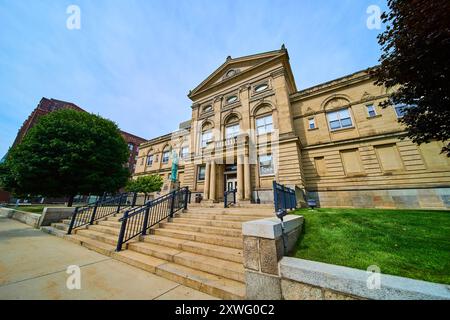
<point>233,68</point>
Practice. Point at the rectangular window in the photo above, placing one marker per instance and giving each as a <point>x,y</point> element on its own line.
<point>201,173</point>
<point>264,125</point>
<point>165,157</point>
<point>321,167</point>
<point>266,165</point>
<point>389,157</point>
<point>311,123</point>
<point>351,162</point>
<point>340,119</point>
<point>231,131</point>
<point>400,110</point>
<point>371,110</point>
<point>206,138</point>
<point>149,160</point>
<point>184,152</point>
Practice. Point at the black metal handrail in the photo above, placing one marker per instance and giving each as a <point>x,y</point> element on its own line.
<point>85,215</point>
<point>229,198</point>
<point>283,197</point>
<point>138,220</point>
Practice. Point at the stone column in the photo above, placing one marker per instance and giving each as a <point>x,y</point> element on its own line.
<point>240,179</point>
<point>212,179</point>
<point>206,182</point>
<point>247,183</point>
<point>265,244</point>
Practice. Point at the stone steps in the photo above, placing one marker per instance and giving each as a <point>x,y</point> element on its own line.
<point>203,281</point>
<point>202,229</point>
<point>200,248</point>
<point>232,242</point>
<point>220,267</point>
<point>210,223</point>
<point>206,249</point>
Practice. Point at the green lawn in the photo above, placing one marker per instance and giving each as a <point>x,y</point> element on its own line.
<point>407,243</point>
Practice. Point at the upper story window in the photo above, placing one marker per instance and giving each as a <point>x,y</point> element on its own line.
<point>184,152</point>
<point>131,147</point>
<point>339,119</point>
<point>261,87</point>
<point>149,160</point>
<point>371,112</point>
<point>311,123</point>
<point>266,165</point>
<point>165,156</point>
<point>207,108</point>
<point>232,99</point>
<point>400,109</point>
<point>264,124</point>
<point>232,130</point>
<point>206,138</point>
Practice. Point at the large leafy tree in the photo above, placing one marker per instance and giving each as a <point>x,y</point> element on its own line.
<point>145,184</point>
<point>415,61</point>
<point>67,153</point>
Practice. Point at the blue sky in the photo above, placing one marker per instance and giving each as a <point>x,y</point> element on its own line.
<point>135,61</point>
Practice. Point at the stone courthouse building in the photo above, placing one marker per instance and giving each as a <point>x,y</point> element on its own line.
<point>250,126</point>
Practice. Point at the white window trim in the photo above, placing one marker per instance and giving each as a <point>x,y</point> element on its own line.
<point>374,110</point>
<point>341,128</point>
<point>265,124</point>
<point>314,122</point>
<point>259,166</point>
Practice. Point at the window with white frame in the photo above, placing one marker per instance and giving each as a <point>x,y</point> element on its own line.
<point>340,119</point>
<point>311,123</point>
<point>149,160</point>
<point>165,156</point>
<point>371,112</point>
<point>206,138</point>
<point>266,165</point>
<point>264,124</point>
<point>232,131</point>
<point>400,110</point>
<point>184,152</point>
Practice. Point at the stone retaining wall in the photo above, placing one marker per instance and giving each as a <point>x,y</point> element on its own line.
<point>29,218</point>
<point>269,274</point>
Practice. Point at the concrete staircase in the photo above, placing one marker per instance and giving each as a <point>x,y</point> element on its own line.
<point>200,248</point>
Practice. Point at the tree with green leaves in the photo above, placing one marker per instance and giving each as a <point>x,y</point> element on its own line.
<point>415,62</point>
<point>145,184</point>
<point>67,153</point>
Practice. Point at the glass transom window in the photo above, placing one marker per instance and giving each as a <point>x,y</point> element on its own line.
<point>264,125</point>
<point>206,138</point>
<point>261,87</point>
<point>232,99</point>
<point>266,165</point>
<point>340,119</point>
<point>231,131</point>
<point>165,157</point>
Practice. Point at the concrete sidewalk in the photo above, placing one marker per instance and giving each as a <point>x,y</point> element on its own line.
<point>33,265</point>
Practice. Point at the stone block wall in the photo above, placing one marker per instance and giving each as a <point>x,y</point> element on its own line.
<point>433,198</point>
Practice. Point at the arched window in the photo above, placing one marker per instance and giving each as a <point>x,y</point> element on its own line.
<point>207,108</point>
<point>207,134</point>
<point>232,127</point>
<point>149,160</point>
<point>166,155</point>
<point>232,99</point>
<point>263,120</point>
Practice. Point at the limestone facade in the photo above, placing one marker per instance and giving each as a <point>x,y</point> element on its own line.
<point>250,126</point>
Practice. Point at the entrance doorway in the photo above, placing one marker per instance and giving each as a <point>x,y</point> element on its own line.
<point>230,182</point>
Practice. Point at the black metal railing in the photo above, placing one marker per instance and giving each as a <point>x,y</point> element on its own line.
<point>283,197</point>
<point>229,198</point>
<point>102,208</point>
<point>137,221</point>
